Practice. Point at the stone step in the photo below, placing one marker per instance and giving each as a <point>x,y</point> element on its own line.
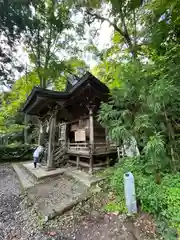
<point>29,163</point>
<point>41,173</point>
<point>83,177</point>
<point>25,179</point>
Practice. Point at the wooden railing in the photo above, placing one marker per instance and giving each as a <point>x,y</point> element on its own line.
<point>108,145</point>
<point>104,147</point>
<point>96,147</point>
<point>78,147</point>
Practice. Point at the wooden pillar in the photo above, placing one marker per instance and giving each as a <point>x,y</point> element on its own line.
<point>91,139</point>
<point>107,160</point>
<point>77,161</point>
<point>41,133</point>
<point>51,141</point>
<point>106,136</point>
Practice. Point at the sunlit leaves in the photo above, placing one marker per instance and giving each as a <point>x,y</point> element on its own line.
<point>119,134</point>
<point>155,150</point>
<point>117,38</point>
<point>155,146</point>
<point>11,104</point>
<point>143,122</point>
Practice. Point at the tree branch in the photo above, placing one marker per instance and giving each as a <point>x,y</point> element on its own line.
<point>124,33</point>
<point>107,20</point>
<point>127,36</point>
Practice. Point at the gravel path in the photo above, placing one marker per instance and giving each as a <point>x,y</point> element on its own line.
<point>19,220</point>
<point>16,220</point>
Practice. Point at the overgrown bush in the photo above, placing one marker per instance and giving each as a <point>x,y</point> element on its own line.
<point>171,183</point>
<point>146,107</point>
<point>16,152</point>
<point>161,200</point>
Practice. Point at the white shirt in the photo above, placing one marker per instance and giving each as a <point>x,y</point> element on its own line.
<point>37,151</point>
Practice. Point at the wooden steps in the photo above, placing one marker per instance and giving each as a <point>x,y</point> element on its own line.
<point>60,156</point>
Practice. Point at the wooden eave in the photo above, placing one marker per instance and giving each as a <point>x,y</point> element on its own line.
<point>87,89</point>
<point>43,98</point>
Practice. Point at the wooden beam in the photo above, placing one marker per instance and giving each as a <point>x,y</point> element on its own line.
<point>77,120</point>
<point>91,139</point>
<point>51,141</point>
<point>82,164</point>
<point>77,161</point>
<point>101,164</point>
<point>107,160</point>
<point>41,133</point>
<point>91,127</point>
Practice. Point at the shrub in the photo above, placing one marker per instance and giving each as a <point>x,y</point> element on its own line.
<point>115,206</point>
<point>16,152</point>
<point>161,200</point>
<point>128,164</point>
<point>171,183</point>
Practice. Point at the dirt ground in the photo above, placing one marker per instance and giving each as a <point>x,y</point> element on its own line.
<point>101,227</point>
<point>20,221</point>
<point>89,221</point>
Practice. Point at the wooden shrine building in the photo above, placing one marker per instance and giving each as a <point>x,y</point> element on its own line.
<point>70,128</point>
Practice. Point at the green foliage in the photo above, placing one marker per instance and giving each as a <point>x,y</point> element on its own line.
<point>172,195</point>
<point>119,171</point>
<point>13,17</point>
<point>16,152</point>
<point>145,103</point>
<point>141,66</point>
<point>166,233</point>
<point>146,106</point>
<point>115,206</point>
<point>42,38</point>
<point>162,200</point>
<point>155,151</point>
<point>11,104</point>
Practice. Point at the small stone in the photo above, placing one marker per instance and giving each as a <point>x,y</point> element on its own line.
<point>115,213</point>
<point>46,218</point>
<point>95,214</point>
<point>52,234</point>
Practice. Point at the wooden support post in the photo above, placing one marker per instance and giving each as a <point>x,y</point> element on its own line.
<point>91,139</point>
<point>107,160</point>
<point>77,161</point>
<point>106,135</point>
<point>42,132</point>
<point>51,141</point>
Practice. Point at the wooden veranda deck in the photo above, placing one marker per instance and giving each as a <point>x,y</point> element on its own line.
<point>85,149</point>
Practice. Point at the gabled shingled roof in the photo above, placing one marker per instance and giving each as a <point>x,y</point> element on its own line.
<point>87,79</point>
